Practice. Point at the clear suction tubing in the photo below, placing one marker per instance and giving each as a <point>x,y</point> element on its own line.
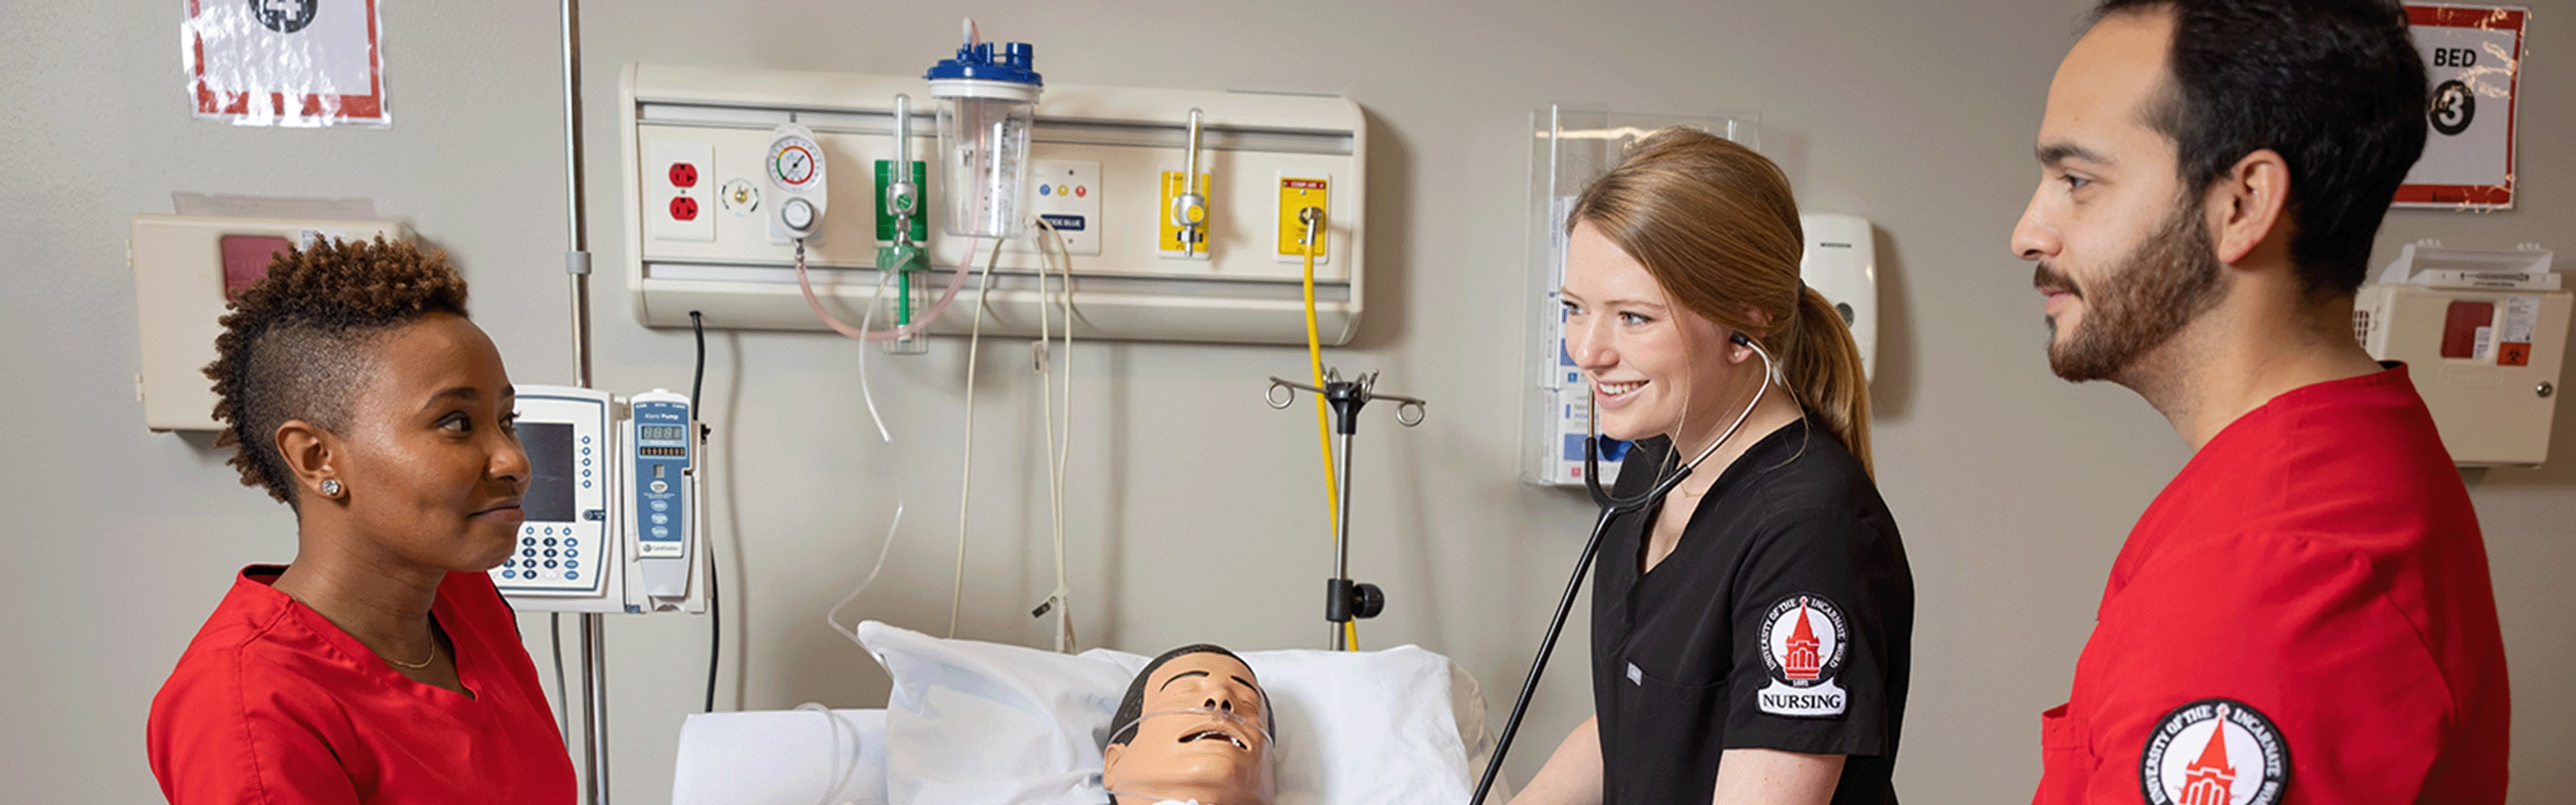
<point>986,103</point>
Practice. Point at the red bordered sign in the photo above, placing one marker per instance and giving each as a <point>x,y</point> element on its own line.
<point>2473,60</point>
<point>285,62</point>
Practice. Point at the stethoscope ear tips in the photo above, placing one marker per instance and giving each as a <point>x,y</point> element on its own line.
<point>1740,339</point>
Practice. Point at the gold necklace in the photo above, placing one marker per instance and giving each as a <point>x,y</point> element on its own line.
<point>414,666</point>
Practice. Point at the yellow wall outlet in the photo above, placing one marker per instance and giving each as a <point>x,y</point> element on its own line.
<point>1168,243</point>
<point>1297,193</point>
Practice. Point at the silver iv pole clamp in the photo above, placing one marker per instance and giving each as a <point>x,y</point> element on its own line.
<point>1345,600</point>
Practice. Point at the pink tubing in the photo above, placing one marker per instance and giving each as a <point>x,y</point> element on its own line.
<point>905,331</point>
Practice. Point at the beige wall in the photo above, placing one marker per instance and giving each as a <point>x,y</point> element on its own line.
<point>1195,510</point>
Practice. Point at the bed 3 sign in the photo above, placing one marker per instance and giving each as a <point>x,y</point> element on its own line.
<point>2472,63</point>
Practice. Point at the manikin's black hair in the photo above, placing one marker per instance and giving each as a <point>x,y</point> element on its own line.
<point>1132,708</point>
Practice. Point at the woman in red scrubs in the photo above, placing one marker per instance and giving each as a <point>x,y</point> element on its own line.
<point>380,666</point>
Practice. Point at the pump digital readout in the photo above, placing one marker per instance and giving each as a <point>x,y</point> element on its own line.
<point>661,456</point>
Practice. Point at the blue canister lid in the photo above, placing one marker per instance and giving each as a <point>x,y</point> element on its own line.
<point>977,62</point>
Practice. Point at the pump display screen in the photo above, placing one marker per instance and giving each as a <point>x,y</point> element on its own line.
<point>550,462</point>
<point>663,432</point>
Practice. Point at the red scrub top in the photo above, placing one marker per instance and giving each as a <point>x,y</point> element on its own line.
<point>274,704</point>
<point>2303,616</point>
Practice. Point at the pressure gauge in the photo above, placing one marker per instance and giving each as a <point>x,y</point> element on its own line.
<point>795,169</point>
<point>796,162</point>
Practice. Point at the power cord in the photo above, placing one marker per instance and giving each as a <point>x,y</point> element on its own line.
<point>715,599</point>
<point>1058,444</point>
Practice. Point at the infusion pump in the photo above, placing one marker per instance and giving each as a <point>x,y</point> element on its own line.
<point>613,517</point>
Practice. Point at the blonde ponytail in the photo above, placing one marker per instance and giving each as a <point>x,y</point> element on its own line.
<point>1821,363</point>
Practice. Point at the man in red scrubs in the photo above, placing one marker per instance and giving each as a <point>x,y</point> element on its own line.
<point>2304,615</point>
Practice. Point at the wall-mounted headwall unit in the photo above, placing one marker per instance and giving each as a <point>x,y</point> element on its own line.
<point>696,139</point>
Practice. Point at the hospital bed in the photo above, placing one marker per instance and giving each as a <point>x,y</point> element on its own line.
<point>972,723</point>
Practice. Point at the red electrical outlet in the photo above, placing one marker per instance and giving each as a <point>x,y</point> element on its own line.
<point>684,174</point>
<point>684,208</point>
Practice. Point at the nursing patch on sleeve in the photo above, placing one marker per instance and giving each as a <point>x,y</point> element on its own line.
<point>1803,639</point>
<point>2215,752</point>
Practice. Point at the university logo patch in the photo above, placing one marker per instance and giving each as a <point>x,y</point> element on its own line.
<point>1803,639</point>
<point>2215,752</point>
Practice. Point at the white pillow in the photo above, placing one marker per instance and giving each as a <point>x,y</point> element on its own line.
<point>974,723</point>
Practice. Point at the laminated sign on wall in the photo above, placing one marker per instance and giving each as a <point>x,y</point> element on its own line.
<point>285,62</point>
<point>2473,60</point>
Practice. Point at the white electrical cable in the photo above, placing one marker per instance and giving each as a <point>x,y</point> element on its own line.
<point>1057,447</point>
<point>1064,443</point>
<point>966,484</point>
<point>1064,446</point>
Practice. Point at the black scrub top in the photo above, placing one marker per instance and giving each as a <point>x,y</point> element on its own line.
<point>1783,619</point>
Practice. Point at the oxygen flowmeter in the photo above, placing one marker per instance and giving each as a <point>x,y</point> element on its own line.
<point>899,256</point>
<point>987,102</point>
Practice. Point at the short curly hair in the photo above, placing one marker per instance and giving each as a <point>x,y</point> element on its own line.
<point>287,349</point>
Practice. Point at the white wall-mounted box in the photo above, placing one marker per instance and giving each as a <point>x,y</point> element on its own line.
<point>2483,335</point>
<point>185,268</point>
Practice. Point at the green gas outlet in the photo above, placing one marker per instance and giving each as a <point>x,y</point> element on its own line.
<point>885,217</point>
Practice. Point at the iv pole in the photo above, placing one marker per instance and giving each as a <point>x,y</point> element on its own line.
<point>594,648</point>
<point>1346,600</point>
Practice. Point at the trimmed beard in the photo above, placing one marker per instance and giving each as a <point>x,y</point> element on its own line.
<point>2161,286</point>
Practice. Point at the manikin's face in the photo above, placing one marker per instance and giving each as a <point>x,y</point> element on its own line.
<point>1651,363</point>
<point>2124,258</point>
<point>1182,756</point>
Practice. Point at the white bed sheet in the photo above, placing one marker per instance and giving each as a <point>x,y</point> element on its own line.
<point>782,757</point>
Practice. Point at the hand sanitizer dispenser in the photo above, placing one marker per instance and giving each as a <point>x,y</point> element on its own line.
<point>1842,264</point>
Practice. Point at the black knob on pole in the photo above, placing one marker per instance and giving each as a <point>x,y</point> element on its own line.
<point>1346,600</point>
<point>1367,601</point>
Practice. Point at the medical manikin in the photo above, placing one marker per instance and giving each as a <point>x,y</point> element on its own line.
<point>1195,727</point>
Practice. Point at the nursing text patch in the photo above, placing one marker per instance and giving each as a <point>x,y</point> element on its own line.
<point>1803,639</point>
<point>2215,752</point>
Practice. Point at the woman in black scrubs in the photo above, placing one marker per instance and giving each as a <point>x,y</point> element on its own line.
<point>1751,633</point>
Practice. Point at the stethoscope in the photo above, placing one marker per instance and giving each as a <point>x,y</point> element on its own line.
<point>1611,507</point>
